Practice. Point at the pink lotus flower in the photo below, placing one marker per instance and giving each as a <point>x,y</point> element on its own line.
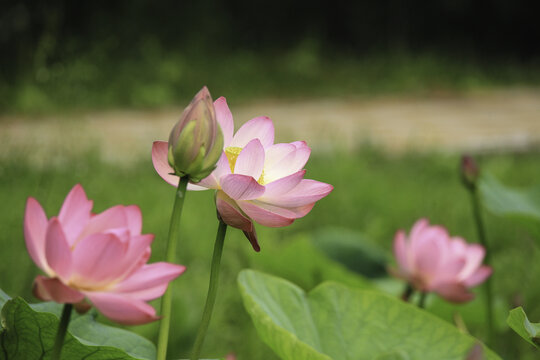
<point>99,256</point>
<point>256,180</point>
<point>432,261</point>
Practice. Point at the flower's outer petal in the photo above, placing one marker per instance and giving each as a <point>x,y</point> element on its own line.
<point>241,187</point>
<point>52,289</point>
<point>252,237</point>
<point>136,255</point>
<point>283,185</point>
<point>260,128</point>
<point>134,219</point>
<point>428,257</point>
<point>478,277</point>
<point>160,149</point>
<point>35,228</point>
<point>267,215</point>
<point>250,161</point>
<point>306,192</point>
<point>75,213</point>
<point>454,292</point>
<point>225,120</point>
<point>97,259</point>
<point>112,218</point>
<point>57,251</point>
<point>400,251</point>
<point>230,213</point>
<point>150,281</point>
<point>425,235</point>
<point>276,154</point>
<point>122,309</point>
<point>282,161</point>
<point>418,227</point>
<point>474,255</point>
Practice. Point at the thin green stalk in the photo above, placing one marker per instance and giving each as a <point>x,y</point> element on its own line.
<point>422,300</point>
<point>488,289</point>
<point>166,300</point>
<point>407,293</point>
<point>61,333</point>
<point>212,291</point>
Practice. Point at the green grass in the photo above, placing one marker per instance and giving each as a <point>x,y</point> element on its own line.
<point>374,193</point>
<point>154,78</point>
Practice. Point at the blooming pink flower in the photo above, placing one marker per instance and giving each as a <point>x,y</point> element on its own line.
<point>432,261</point>
<point>256,180</point>
<point>99,256</point>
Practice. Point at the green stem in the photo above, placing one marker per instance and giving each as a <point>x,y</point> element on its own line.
<point>61,333</point>
<point>488,290</point>
<point>407,293</point>
<point>422,300</point>
<point>166,300</point>
<point>212,291</point>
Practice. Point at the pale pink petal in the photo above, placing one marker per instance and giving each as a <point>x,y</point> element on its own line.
<point>241,187</point>
<point>112,218</point>
<point>267,215</point>
<point>306,192</point>
<point>250,161</point>
<point>283,185</point>
<point>137,254</point>
<point>52,289</point>
<point>447,271</point>
<point>231,214</point>
<point>160,150</point>
<point>427,258</point>
<point>57,251</point>
<point>288,163</point>
<point>277,154</point>
<point>400,251</point>
<point>260,128</point>
<point>478,277</point>
<point>35,228</point>
<point>454,292</point>
<point>134,219</point>
<point>150,281</point>
<point>75,213</point>
<point>225,120</point>
<point>428,234</point>
<point>418,226</point>
<point>97,260</point>
<point>474,256</point>
<point>301,211</point>
<point>123,309</point>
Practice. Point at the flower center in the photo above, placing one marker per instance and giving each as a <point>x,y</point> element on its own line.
<point>232,153</point>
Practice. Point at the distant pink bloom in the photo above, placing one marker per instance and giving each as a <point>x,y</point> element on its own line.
<point>99,256</point>
<point>256,179</point>
<point>432,261</point>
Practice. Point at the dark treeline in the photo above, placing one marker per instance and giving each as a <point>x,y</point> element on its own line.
<point>38,32</point>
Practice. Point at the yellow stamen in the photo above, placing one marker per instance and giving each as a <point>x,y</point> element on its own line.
<point>232,153</point>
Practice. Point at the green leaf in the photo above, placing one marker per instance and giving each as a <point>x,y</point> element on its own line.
<point>337,322</point>
<point>353,250</point>
<point>518,321</point>
<point>304,264</point>
<point>28,334</point>
<point>511,203</point>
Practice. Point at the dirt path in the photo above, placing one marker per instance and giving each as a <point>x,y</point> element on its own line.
<point>507,120</point>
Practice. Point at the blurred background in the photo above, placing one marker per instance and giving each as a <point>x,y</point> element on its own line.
<point>388,94</point>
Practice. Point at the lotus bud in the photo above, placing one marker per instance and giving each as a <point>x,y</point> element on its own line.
<point>196,141</point>
<point>469,171</point>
